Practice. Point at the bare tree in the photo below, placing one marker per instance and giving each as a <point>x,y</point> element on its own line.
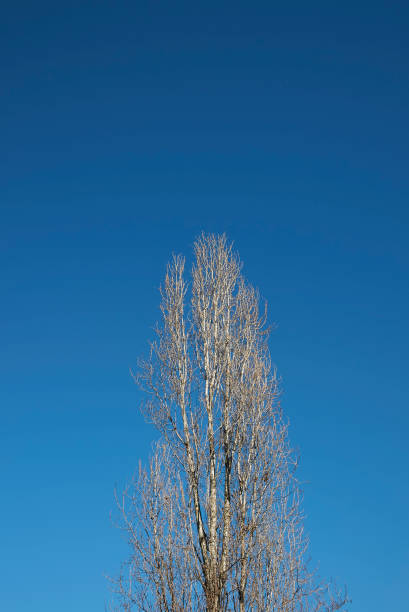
<point>214,522</point>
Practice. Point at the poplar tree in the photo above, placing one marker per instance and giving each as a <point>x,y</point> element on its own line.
<point>214,522</point>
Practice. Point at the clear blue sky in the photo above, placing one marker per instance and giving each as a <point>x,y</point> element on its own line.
<point>126,128</point>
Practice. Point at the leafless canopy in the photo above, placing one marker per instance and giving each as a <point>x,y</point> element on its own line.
<point>214,522</point>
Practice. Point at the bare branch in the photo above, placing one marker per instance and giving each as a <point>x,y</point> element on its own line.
<point>215,521</point>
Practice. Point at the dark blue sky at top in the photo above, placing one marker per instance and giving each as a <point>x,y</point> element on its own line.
<point>126,129</point>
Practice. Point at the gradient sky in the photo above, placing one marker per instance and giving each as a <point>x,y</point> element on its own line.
<point>126,129</point>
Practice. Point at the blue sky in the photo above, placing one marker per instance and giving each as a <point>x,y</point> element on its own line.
<point>126,129</point>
